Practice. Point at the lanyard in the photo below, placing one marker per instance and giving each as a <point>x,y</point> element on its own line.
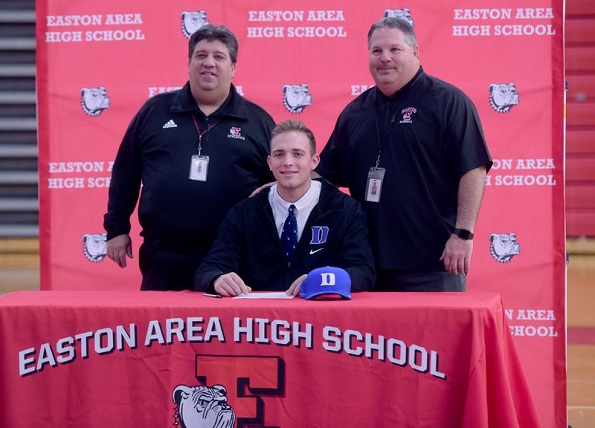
<point>387,127</point>
<point>201,133</point>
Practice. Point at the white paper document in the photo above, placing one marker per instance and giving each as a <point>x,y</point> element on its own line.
<point>265,295</point>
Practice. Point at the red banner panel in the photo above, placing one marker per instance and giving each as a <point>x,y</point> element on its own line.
<point>98,62</point>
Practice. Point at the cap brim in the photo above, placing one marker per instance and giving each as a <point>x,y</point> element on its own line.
<point>341,295</point>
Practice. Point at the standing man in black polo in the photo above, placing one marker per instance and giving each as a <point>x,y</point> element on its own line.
<point>412,151</point>
<point>196,152</point>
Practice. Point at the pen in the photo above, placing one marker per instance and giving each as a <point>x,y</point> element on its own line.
<point>218,296</point>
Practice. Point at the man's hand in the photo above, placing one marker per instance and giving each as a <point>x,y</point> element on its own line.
<point>230,284</point>
<point>294,289</point>
<point>118,248</point>
<point>260,189</point>
<point>457,255</point>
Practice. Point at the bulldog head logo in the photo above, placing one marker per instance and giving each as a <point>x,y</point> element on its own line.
<point>503,96</point>
<point>504,246</point>
<point>407,114</point>
<point>296,97</point>
<point>95,247</point>
<point>203,407</point>
<point>192,21</point>
<point>399,13</point>
<point>94,100</point>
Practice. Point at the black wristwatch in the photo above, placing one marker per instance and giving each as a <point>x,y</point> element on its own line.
<point>463,234</point>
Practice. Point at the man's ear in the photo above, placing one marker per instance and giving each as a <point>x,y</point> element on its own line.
<point>315,161</point>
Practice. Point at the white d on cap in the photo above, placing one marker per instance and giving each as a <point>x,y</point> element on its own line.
<point>326,281</point>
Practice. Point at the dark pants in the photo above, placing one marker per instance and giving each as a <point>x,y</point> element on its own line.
<point>167,269</point>
<point>392,280</point>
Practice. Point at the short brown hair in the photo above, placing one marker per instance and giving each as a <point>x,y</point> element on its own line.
<point>298,126</point>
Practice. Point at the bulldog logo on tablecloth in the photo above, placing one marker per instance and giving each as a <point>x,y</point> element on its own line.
<point>504,246</point>
<point>503,96</point>
<point>399,13</point>
<point>296,97</point>
<point>94,100</point>
<point>192,21</point>
<point>95,247</point>
<point>202,407</point>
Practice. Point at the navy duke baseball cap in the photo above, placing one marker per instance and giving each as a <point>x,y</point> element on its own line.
<point>326,281</point>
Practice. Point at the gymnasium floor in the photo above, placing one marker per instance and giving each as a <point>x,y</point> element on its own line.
<point>581,341</point>
<point>581,322</point>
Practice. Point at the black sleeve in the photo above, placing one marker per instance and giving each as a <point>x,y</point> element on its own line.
<point>330,166</point>
<point>226,253</point>
<point>125,183</point>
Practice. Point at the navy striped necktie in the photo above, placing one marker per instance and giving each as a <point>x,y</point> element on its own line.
<point>289,235</point>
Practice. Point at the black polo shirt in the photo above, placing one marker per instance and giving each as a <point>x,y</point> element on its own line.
<point>426,137</point>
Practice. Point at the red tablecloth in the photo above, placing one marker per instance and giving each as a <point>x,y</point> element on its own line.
<point>160,359</point>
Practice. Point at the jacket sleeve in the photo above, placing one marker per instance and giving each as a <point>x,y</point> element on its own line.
<point>356,254</point>
<point>225,255</point>
<point>125,183</point>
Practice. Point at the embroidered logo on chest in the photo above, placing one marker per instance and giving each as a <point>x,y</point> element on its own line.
<point>235,132</point>
<point>407,114</point>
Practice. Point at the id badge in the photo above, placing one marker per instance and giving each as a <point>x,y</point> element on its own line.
<point>374,185</point>
<point>198,167</point>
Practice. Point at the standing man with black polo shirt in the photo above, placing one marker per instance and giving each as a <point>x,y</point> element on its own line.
<point>412,151</point>
<point>197,152</point>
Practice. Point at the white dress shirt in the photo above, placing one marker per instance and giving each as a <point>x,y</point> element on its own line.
<point>304,206</point>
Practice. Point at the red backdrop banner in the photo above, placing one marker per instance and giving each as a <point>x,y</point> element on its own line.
<point>98,62</point>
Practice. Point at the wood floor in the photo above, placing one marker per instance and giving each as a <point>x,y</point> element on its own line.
<point>581,341</point>
<point>22,273</point>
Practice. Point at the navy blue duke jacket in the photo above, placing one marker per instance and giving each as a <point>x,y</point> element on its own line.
<point>248,244</point>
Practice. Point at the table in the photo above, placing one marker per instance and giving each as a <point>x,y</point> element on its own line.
<point>165,359</point>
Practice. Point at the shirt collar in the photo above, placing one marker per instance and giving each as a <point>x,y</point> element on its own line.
<point>305,201</point>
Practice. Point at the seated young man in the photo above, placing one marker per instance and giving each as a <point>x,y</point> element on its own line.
<point>255,249</point>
